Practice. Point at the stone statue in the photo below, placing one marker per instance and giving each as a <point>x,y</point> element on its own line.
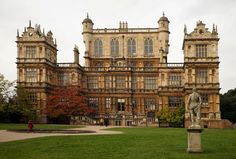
<point>194,106</point>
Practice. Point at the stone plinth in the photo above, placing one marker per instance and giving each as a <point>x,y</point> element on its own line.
<point>194,140</point>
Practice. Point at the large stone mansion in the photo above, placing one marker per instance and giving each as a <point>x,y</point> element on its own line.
<point>126,73</point>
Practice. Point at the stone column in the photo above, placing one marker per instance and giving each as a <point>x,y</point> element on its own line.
<point>194,140</point>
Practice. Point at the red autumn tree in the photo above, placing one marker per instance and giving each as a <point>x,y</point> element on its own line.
<point>67,101</point>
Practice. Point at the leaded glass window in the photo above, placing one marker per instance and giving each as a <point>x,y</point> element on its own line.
<point>63,78</point>
<point>30,51</point>
<point>93,102</point>
<point>201,75</point>
<point>114,47</point>
<point>150,82</point>
<point>108,103</point>
<point>131,46</point>
<point>98,48</point>
<point>174,79</point>
<point>31,75</point>
<point>150,103</point>
<point>175,101</point>
<point>120,82</point>
<point>107,81</point>
<point>201,50</point>
<point>148,46</point>
<point>92,82</point>
<point>204,99</point>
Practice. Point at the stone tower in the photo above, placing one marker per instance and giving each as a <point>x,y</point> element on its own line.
<point>87,37</point>
<point>163,37</point>
<point>201,60</point>
<point>36,61</point>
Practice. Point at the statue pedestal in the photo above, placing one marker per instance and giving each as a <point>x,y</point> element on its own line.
<point>194,140</point>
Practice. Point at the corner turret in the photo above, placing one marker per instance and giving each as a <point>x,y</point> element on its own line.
<point>163,23</point>
<point>87,25</point>
<point>163,37</point>
<point>87,37</point>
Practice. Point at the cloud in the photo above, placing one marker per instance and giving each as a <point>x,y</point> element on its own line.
<point>64,19</point>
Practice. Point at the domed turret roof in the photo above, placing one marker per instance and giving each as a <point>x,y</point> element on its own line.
<point>163,18</point>
<point>87,20</point>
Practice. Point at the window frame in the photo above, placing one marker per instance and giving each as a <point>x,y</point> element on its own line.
<point>120,82</point>
<point>114,47</point>
<point>98,48</point>
<point>63,78</point>
<point>201,75</point>
<point>31,75</point>
<point>108,103</point>
<point>150,82</point>
<point>131,46</point>
<point>30,52</point>
<point>93,82</point>
<point>201,50</point>
<point>148,46</point>
<point>205,100</point>
<point>150,103</point>
<point>93,102</point>
<point>175,101</point>
<point>174,79</point>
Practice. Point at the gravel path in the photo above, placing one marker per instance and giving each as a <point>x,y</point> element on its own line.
<point>6,136</point>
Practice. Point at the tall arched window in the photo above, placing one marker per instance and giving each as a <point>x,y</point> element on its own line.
<point>131,46</point>
<point>148,46</point>
<point>98,47</point>
<point>114,47</point>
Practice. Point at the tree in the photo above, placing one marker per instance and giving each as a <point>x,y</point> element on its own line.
<point>8,111</point>
<point>177,117</point>
<point>7,90</point>
<point>174,117</point>
<point>14,103</point>
<point>23,105</point>
<point>66,101</point>
<point>228,105</point>
<point>164,115</point>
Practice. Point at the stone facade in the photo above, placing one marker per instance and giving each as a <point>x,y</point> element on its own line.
<point>126,74</point>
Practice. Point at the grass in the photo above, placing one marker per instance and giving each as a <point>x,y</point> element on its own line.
<point>9,126</point>
<point>135,143</point>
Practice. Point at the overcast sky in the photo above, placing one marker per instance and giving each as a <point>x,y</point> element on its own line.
<point>64,17</point>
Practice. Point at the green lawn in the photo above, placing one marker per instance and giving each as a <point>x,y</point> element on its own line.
<point>135,143</point>
<point>9,126</point>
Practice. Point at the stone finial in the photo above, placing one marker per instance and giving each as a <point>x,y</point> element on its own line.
<point>87,15</point>
<point>213,28</point>
<point>163,14</point>
<point>185,29</point>
<point>17,34</point>
<point>29,23</point>
<point>76,47</point>
<point>25,29</point>
<point>216,29</point>
<point>49,33</point>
